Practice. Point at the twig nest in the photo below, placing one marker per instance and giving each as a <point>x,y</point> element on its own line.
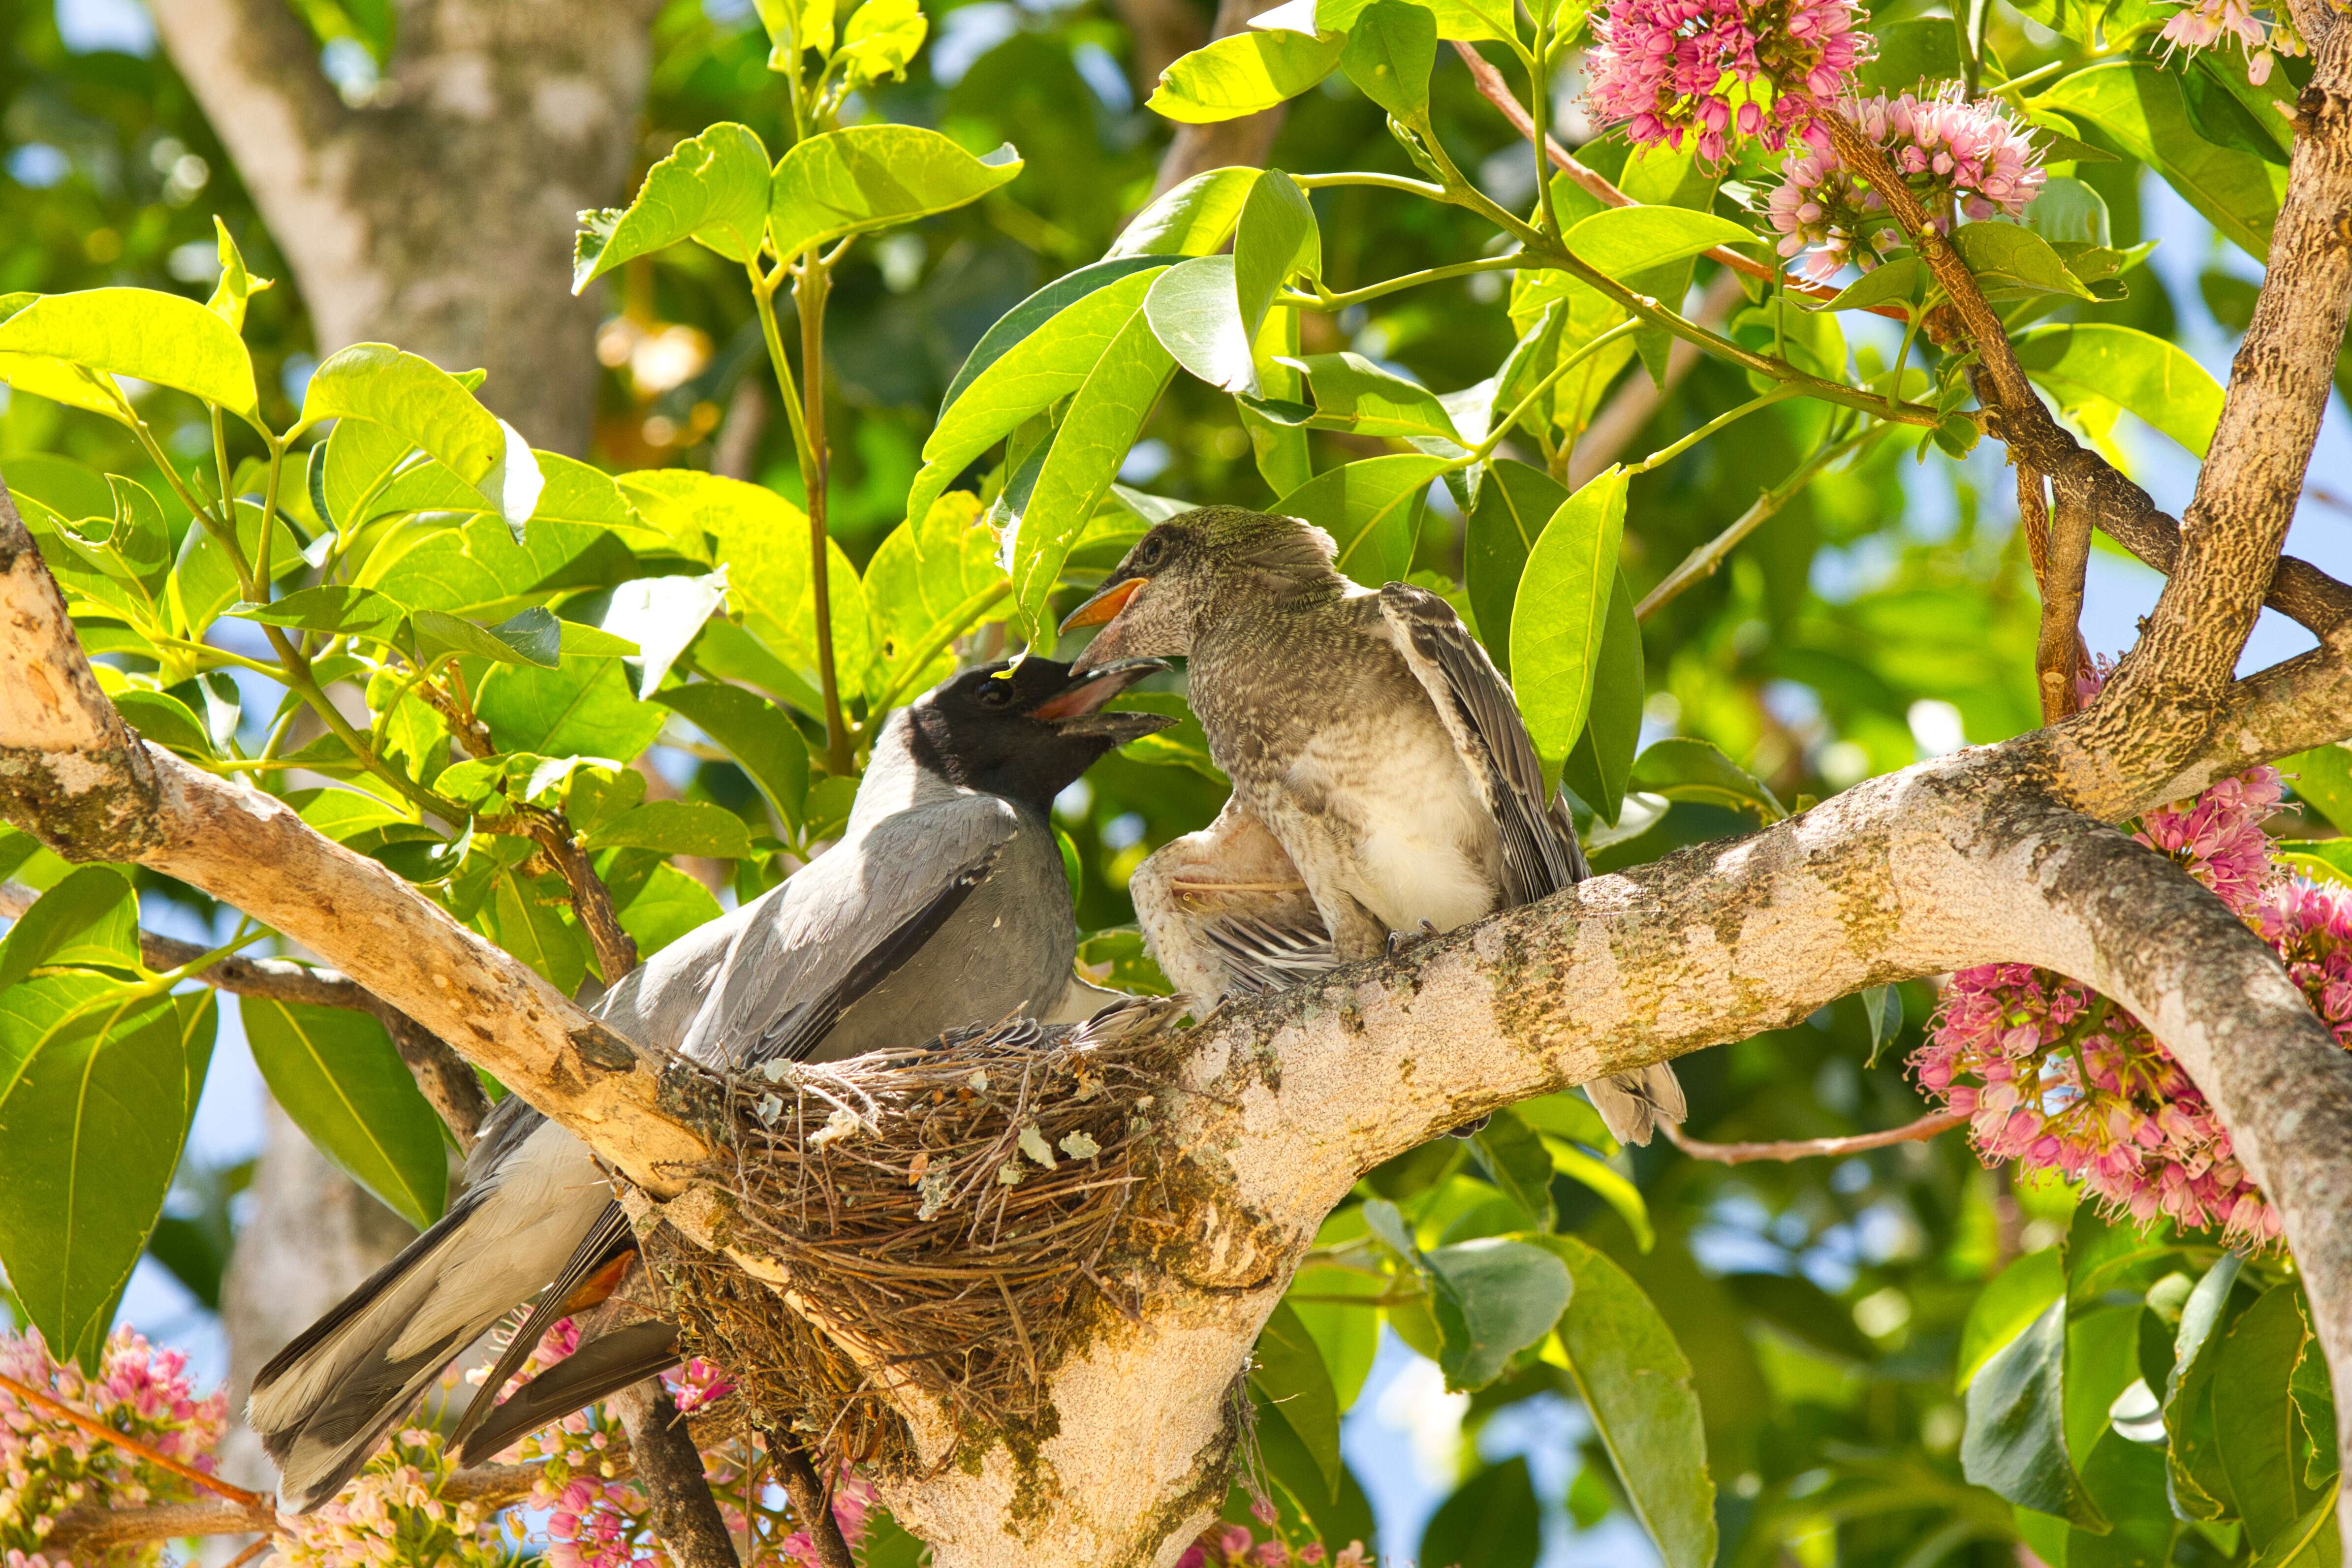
<point>945,1212</point>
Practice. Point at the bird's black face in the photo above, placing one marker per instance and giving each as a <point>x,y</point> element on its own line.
<point>1026,731</point>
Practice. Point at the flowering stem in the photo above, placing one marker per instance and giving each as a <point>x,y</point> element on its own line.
<point>129,1445</point>
<point>1928,1126</point>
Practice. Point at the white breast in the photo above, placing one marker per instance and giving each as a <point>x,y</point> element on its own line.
<point>1421,838</point>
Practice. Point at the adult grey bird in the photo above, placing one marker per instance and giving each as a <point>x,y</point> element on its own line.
<point>1384,780</point>
<point>943,902</point>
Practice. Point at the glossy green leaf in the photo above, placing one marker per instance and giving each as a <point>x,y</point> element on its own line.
<point>2253,1416</point>
<point>2014,1444</point>
<point>1468,19</point>
<point>712,188</point>
<point>1196,315</point>
<point>669,906</point>
<point>2323,778</point>
<point>1626,240</point>
<point>167,339</point>
<point>1353,394</point>
<point>530,637</point>
<point>2094,361</point>
<point>1511,1155</point>
<point>1493,1521</point>
<point>1050,363</point>
<point>661,615</point>
<point>430,409</point>
<point>1016,325</point>
<point>334,609</point>
<point>163,719</point>
<point>582,708</point>
<point>2006,1307</point>
<point>1106,415</point>
<point>677,827</point>
<point>1561,614</point>
<point>1287,1369</point>
<point>97,1088</point>
<point>525,915</point>
<point>1600,761</point>
<point>1899,282</point>
<point>1372,510</point>
<point>1492,1298</point>
<point>1514,504</point>
<point>881,39</point>
<point>1916,55</point>
<point>871,176</point>
<point>235,286</point>
<point>1681,768</point>
<point>2199,1480</point>
<point>336,1074</point>
<point>2011,261</point>
<point>1637,1386</point>
<point>1243,73</point>
<point>1275,236</point>
<point>2141,108</point>
<point>2070,212</point>
<point>755,733</point>
<point>1391,48</point>
<point>1603,1180</point>
<point>1194,218</point>
<point>89,918</point>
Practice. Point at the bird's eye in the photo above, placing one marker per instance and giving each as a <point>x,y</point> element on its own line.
<point>996,692</point>
<point>1148,553</point>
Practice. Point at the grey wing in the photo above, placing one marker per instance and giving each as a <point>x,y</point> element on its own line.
<point>841,926</point>
<point>1540,855</point>
<point>1264,955</point>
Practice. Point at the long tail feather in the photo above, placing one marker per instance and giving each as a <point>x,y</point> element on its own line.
<point>601,1366</point>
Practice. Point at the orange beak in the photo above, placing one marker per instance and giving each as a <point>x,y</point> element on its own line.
<point>1106,604</point>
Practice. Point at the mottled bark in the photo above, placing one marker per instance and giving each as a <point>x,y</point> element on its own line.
<point>439,215</point>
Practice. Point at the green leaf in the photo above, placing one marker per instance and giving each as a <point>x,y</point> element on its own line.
<point>1626,240</point>
<point>2323,779</point>
<point>1243,73</point>
<point>2070,212</point>
<point>1603,1180</point>
<point>712,188</point>
<point>2200,1480</point>
<point>430,409</point>
<point>2321,859</point>
<point>1683,769</point>
<point>928,582</point>
<point>2253,1416</point>
<point>1603,758</point>
<point>2091,363</point>
<point>1196,315</point>
<point>337,1075</point>
<point>2142,110</point>
<point>1637,1386</point>
<point>88,919</point>
<point>1372,509</point>
<point>139,332</point>
<point>2015,1442</point>
<point>1287,1369</point>
<point>1391,48</point>
<point>532,637</point>
<point>677,827</point>
<point>1016,325</point>
<point>1514,504</point>
<point>166,721</point>
<point>871,176</point>
<point>1353,394</point>
<point>583,707</point>
<point>525,916</point>
<point>669,905</point>
<point>1275,236</point>
<point>1914,56</point>
<point>1047,365</point>
<point>881,39</point>
<point>1561,612</point>
<point>1492,1298</point>
<point>2314,1541</point>
<point>1883,1006</point>
<point>1106,415</point>
<point>235,285</point>
<point>97,1088</point>
<point>1804,1311</point>
<point>756,734</point>
<point>1469,19</point>
<point>1493,1521</point>
<point>1899,282</point>
<point>2006,1307</point>
<point>2011,261</point>
<point>661,615</point>
<point>1194,218</point>
<point>1514,1158</point>
<point>334,609</point>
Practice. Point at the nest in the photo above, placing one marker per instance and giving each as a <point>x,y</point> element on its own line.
<point>949,1208</point>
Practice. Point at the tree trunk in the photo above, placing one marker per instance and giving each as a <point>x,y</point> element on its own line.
<point>439,215</point>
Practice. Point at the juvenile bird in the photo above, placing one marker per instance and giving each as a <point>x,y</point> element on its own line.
<point>1383,780</point>
<point>943,902</point>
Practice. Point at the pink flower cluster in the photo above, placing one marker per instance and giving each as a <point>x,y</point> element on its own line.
<point>1233,1546</point>
<point>392,1512</point>
<point>1954,155</point>
<point>1717,69</point>
<point>48,1466</point>
<point>2059,1079</point>
<point>2263,34</point>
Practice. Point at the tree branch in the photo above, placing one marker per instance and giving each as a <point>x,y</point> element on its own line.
<point>1195,149</point>
<point>669,1467</point>
<point>1934,1124</point>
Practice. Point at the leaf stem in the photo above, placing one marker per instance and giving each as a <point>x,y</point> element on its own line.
<point>811,284</point>
<point>1324,299</point>
<point>1505,425</point>
<point>1703,561</point>
<point>1362,177</point>
<point>1669,452</point>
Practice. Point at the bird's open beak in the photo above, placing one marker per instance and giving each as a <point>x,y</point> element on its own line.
<point>1077,707</point>
<point>1106,604</point>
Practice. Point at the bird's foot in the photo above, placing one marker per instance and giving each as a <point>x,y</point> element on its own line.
<point>1401,942</point>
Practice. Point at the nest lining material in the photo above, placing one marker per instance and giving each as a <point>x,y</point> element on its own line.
<point>949,1206</point>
